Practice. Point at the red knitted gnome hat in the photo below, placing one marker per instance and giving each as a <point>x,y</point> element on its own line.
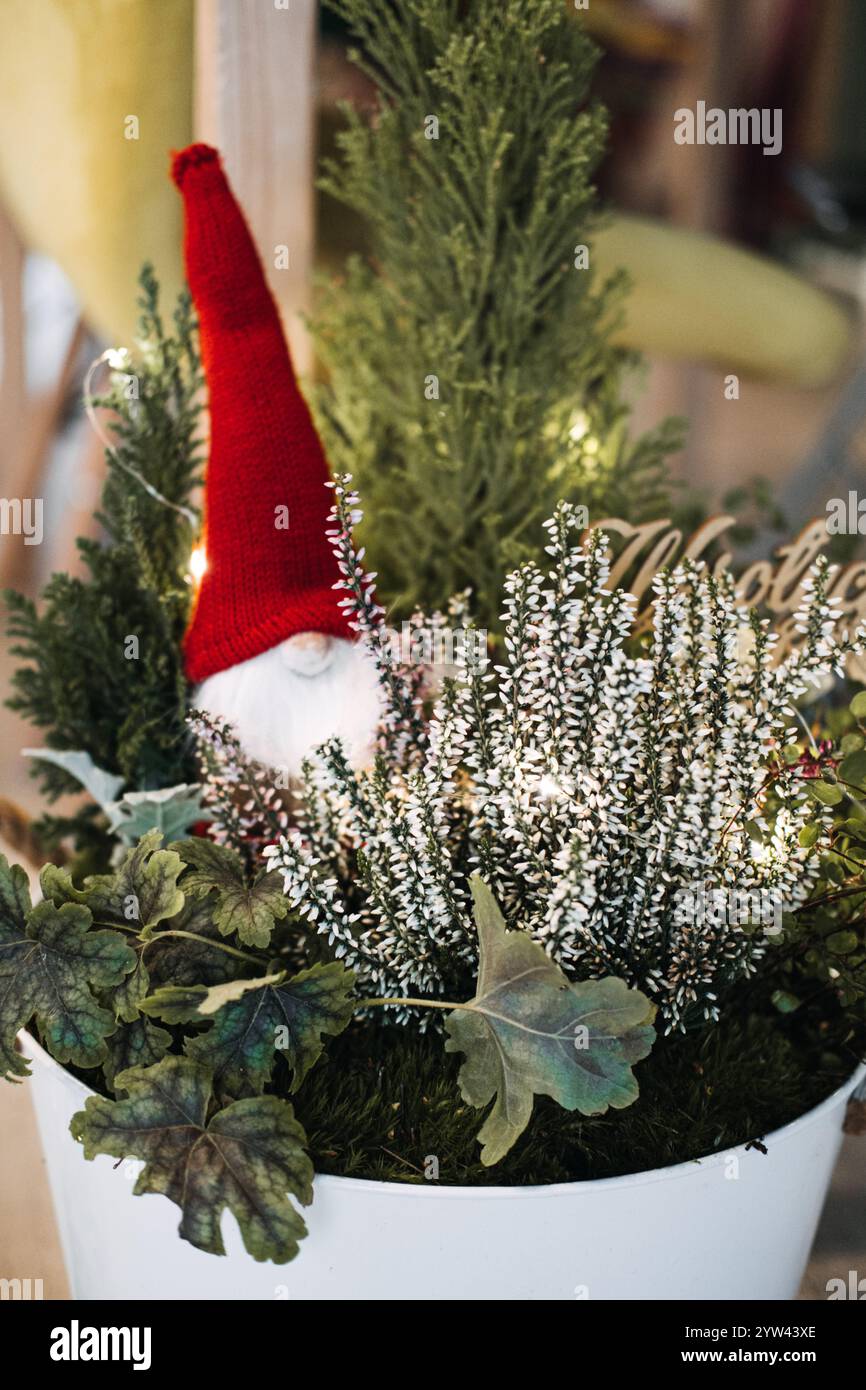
<point>262,584</point>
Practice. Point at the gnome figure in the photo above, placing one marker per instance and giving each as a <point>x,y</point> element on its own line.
<point>268,645</point>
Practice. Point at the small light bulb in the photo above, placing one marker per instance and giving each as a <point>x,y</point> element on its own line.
<point>579,426</point>
<point>198,563</point>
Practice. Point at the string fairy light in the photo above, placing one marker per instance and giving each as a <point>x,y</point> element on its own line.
<point>118,360</point>
<point>198,564</point>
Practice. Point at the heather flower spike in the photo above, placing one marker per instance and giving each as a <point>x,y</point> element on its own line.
<point>605,794</point>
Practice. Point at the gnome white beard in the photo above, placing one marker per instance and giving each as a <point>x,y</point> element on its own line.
<point>291,698</point>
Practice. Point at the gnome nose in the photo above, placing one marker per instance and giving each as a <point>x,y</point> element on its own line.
<point>308,653</point>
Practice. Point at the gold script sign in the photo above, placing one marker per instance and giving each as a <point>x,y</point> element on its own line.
<point>773,585</point>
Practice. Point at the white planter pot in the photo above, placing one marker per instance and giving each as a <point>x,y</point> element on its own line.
<point>737,1225</point>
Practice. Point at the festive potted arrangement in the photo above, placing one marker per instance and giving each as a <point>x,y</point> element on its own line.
<point>526,957</point>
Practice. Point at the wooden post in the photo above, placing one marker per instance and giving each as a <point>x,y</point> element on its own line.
<point>254,100</point>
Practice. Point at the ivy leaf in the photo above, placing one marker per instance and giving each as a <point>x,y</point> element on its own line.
<point>529,1032</point>
<point>136,1044</point>
<point>101,785</point>
<point>292,1017</point>
<point>247,1158</point>
<point>171,811</point>
<point>49,968</point>
<point>243,909</point>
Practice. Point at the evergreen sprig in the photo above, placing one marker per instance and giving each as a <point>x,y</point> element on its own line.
<point>471,279</point>
<point>84,679</point>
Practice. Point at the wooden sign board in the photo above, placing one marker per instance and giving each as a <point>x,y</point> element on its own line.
<point>775,585</point>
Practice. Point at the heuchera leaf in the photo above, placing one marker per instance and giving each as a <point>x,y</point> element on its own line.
<point>142,892</point>
<point>218,996</point>
<point>529,1031</point>
<point>266,1017</point>
<point>136,1044</point>
<point>248,910</point>
<point>207,865</point>
<point>291,1018</point>
<point>14,897</point>
<point>126,998</point>
<point>247,1158</point>
<point>50,965</point>
<point>175,1003</point>
<point>184,961</point>
<point>14,907</point>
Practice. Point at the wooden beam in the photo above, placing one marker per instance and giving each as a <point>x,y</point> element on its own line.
<point>13,367</point>
<point>254,100</point>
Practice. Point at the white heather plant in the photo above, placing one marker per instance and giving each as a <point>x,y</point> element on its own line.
<point>515,863</point>
<point>597,785</point>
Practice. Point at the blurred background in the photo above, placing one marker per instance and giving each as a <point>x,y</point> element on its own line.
<point>740,262</point>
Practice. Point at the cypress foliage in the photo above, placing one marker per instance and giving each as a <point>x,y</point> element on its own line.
<point>81,681</point>
<point>472,383</point>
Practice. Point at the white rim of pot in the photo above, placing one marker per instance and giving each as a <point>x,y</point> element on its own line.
<point>438,1191</point>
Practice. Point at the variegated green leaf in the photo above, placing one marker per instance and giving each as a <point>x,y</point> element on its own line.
<point>142,892</point>
<point>175,1003</point>
<point>291,1018</point>
<point>247,910</point>
<point>136,1044</point>
<point>247,1158</point>
<point>529,1032</point>
<point>50,968</point>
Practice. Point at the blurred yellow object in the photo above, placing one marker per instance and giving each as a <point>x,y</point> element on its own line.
<point>93,95</point>
<point>694,296</point>
<point>639,34</point>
